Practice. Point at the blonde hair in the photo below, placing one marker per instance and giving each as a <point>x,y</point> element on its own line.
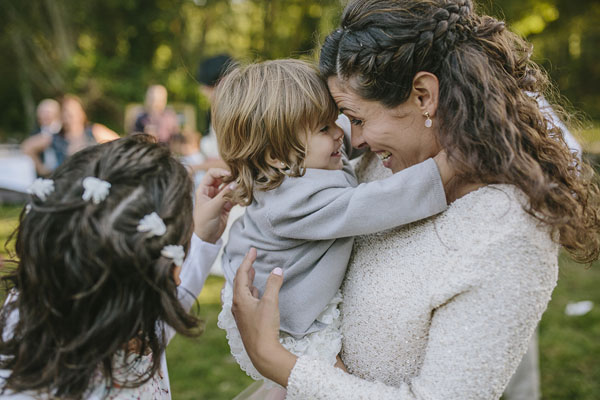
<point>260,112</point>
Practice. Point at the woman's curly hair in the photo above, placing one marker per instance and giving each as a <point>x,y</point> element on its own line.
<point>490,122</point>
<point>87,283</point>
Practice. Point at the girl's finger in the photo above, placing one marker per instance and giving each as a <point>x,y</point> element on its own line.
<point>214,176</point>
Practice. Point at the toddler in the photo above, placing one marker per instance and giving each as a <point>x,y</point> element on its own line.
<point>276,127</point>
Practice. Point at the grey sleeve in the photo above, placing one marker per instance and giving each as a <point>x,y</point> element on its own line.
<point>335,212</point>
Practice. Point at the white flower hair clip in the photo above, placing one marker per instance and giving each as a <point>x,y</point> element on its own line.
<point>174,252</point>
<point>41,188</point>
<point>95,189</point>
<point>152,224</point>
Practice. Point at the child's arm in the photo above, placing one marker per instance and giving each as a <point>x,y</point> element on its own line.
<point>211,211</point>
<point>333,210</point>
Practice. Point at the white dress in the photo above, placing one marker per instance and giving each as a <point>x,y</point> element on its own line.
<point>442,308</point>
<point>193,275</point>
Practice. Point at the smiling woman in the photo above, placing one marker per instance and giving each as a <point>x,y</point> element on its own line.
<point>398,135</point>
<point>442,308</point>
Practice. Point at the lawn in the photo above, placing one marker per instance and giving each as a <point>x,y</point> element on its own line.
<point>202,368</point>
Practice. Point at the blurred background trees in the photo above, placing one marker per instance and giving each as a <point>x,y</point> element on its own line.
<point>109,51</point>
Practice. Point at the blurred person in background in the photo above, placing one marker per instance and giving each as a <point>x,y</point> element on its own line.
<point>75,134</point>
<point>210,71</point>
<point>48,119</point>
<point>187,149</point>
<point>157,120</point>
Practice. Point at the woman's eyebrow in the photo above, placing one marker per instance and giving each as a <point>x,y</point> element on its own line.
<point>343,109</point>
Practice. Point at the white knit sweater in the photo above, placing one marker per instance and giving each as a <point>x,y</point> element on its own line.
<point>442,308</point>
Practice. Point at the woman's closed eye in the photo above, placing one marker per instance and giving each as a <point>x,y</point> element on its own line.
<point>356,121</point>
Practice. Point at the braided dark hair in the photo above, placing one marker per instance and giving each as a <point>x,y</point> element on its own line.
<point>489,121</point>
<point>88,282</point>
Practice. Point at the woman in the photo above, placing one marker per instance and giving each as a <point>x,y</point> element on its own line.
<point>443,308</point>
<point>76,134</point>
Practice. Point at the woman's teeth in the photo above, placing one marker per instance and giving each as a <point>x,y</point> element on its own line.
<point>384,155</point>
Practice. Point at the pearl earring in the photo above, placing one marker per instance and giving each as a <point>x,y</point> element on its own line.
<point>428,121</point>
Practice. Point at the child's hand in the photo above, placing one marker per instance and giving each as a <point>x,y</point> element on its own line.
<point>212,208</point>
<point>340,364</point>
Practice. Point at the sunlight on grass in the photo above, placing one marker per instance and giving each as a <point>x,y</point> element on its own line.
<point>8,223</point>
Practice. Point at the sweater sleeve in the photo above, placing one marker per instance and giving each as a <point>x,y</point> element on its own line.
<point>334,212</point>
<point>194,272</point>
<point>476,339</point>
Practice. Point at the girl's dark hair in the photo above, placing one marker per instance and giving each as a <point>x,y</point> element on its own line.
<point>489,120</point>
<point>88,283</point>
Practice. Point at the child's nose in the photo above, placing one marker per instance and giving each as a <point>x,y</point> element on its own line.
<point>338,133</point>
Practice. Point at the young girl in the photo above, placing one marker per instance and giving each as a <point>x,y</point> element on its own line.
<point>276,126</point>
<point>95,296</point>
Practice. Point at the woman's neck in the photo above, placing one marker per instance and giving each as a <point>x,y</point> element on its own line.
<point>458,187</point>
<point>75,132</point>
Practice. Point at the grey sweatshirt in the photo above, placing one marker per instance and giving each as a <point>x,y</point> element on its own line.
<point>306,227</point>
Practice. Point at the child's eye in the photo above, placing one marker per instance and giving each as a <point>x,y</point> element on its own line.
<point>356,122</point>
<point>324,129</point>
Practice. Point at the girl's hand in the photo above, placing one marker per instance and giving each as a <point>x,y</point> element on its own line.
<point>211,209</point>
<point>258,322</point>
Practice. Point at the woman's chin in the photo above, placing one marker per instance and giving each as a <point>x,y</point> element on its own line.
<point>394,164</point>
<point>388,163</point>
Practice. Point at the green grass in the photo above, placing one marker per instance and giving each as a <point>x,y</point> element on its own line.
<point>570,346</point>
<point>202,368</point>
<point>8,222</point>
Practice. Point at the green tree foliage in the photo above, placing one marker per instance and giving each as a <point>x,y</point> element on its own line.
<point>109,51</point>
<point>565,35</point>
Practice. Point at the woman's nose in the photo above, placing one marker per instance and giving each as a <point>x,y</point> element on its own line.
<point>356,137</point>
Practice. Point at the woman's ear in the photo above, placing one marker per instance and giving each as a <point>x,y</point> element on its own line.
<point>425,92</point>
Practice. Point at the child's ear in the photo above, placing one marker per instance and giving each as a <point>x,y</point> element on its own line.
<point>274,162</point>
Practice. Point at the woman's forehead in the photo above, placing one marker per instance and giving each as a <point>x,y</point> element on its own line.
<point>345,98</point>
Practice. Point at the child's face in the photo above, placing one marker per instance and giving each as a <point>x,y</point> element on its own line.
<point>323,147</point>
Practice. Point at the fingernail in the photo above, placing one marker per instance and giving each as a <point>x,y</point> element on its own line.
<point>232,186</point>
<point>277,271</point>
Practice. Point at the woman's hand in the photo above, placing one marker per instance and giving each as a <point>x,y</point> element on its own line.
<point>258,322</point>
<point>212,207</point>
